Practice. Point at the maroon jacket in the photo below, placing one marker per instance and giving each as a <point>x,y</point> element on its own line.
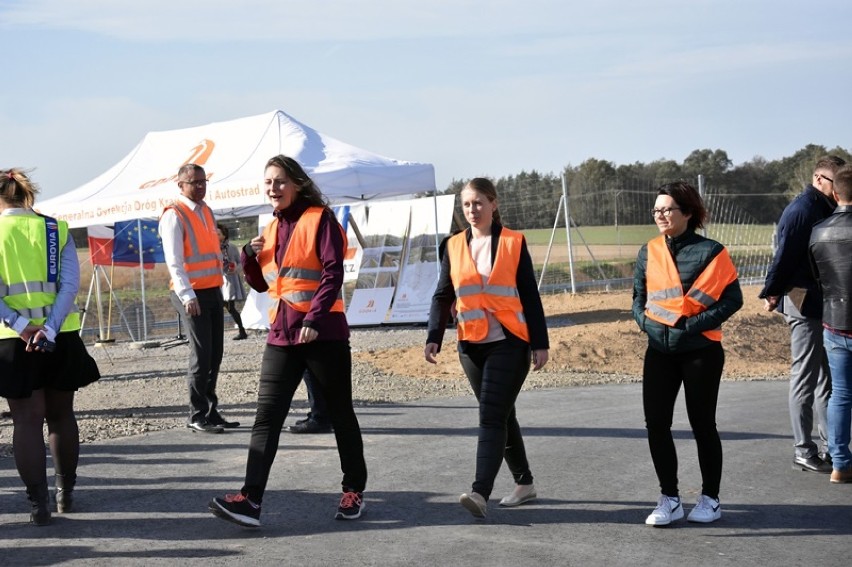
<point>284,331</point>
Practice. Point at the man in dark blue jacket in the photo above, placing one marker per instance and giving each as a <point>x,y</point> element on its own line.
<point>791,288</point>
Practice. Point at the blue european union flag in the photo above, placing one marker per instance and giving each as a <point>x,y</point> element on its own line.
<point>342,214</point>
<point>126,242</point>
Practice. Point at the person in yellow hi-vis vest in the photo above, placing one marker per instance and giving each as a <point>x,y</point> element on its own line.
<point>42,359</point>
<point>684,287</point>
<point>487,274</point>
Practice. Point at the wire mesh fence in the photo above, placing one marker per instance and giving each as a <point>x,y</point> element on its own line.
<point>607,228</point>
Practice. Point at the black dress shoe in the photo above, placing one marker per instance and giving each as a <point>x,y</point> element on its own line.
<point>811,464</point>
<point>205,427</point>
<point>309,426</point>
<point>825,457</point>
<point>226,424</point>
<point>240,337</point>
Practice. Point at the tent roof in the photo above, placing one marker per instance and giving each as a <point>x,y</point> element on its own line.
<point>233,154</point>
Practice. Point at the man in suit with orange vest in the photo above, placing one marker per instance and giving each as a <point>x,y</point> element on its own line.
<point>194,260</point>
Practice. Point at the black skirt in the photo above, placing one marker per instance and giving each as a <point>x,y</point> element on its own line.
<point>68,368</point>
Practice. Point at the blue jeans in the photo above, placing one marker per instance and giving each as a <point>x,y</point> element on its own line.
<point>839,350</point>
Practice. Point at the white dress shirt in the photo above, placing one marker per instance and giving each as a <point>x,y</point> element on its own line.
<point>171,232</point>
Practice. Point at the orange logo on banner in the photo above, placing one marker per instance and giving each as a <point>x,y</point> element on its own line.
<point>199,155</point>
<point>201,152</point>
<point>371,304</point>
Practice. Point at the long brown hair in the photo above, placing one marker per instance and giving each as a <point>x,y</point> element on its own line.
<point>308,190</point>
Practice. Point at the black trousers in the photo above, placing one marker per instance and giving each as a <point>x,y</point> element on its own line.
<point>496,372</point>
<point>700,372</point>
<point>330,362</point>
<point>206,344</point>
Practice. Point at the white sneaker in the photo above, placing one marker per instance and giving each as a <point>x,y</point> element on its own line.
<point>706,510</point>
<point>522,493</point>
<point>667,511</point>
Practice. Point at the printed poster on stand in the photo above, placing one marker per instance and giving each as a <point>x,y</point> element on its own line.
<point>384,239</point>
<point>421,267</point>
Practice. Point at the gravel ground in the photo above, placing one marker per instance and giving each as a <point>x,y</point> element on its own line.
<point>593,340</point>
<point>144,389</point>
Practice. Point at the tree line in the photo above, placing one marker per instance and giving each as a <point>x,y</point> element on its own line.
<point>761,187</point>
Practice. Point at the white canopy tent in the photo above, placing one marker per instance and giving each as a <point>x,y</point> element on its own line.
<point>233,154</point>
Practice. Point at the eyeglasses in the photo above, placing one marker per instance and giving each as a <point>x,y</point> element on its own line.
<point>821,176</point>
<point>196,182</point>
<point>665,212</point>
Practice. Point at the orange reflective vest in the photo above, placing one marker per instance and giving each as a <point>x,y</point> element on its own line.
<point>202,255</point>
<point>666,302</point>
<point>298,278</point>
<point>498,296</point>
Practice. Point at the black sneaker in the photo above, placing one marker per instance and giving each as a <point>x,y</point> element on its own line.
<point>236,508</point>
<point>309,425</point>
<point>351,506</point>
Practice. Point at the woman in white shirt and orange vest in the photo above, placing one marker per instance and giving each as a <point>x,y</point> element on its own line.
<point>487,273</point>
<point>684,287</point>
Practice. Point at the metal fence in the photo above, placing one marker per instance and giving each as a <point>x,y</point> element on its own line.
<point>608,226</point>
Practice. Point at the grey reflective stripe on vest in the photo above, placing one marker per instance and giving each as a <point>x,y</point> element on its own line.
<point>203,272</point>
<point>27,287</point>
<point>42,312</point>
<point>499,290</point>
<point>303,296</point>
<point>667,316</point>
<point>701,297</point>
<point>299,273</point>
<point>196,255</point>
<point>662,294</point>
<point>473,314</point>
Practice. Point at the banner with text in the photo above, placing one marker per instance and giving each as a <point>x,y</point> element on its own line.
<point>384,240</point>
<point>421,266</point>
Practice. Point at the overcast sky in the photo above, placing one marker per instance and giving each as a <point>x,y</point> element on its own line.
<point>475,87</point>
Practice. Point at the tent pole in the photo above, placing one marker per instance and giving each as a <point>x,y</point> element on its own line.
<point>97,279</point>
<point>109,305</point>
<point>88,300</point>
<point>437,241</point>
<point>142,280</point>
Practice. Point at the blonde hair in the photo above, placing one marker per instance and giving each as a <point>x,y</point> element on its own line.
<point>16,189</point>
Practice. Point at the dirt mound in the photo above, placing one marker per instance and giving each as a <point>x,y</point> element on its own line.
<point>595,332</point>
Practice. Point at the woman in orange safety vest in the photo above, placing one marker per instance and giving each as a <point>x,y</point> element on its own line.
<point>487,274</point>
<point>298,261</point>
<point>684,287</point>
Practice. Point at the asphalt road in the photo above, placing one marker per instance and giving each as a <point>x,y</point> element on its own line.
<point>143,500</point>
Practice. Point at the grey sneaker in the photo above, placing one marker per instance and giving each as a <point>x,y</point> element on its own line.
<point>474,503</point>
